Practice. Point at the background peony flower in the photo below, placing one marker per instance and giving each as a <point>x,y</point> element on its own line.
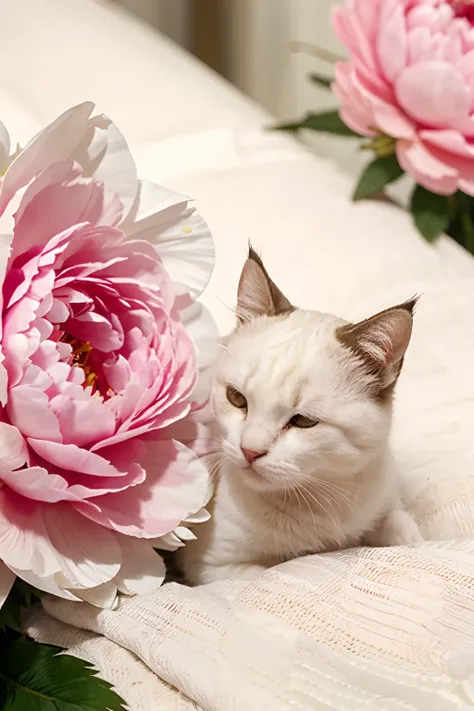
<point>411,77</point>
<point>100,340</point>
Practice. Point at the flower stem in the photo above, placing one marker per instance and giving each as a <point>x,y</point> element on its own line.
<point>314,51</point>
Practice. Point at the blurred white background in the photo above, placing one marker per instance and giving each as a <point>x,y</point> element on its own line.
<point>251,43</point>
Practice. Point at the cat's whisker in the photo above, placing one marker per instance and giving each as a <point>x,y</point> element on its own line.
<point>308,505</point>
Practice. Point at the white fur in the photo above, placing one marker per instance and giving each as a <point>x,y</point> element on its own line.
<point>316,489</point>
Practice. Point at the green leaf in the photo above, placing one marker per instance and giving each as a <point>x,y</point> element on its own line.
<point>431,212</point>
<point>21,595</point>
<point>378,174</point>
<point>321,80</point>
<point>34,677</point>
<point>327,122</point>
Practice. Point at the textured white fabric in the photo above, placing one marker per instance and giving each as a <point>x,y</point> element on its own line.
<point>367,629</point>
<point>364,629</point>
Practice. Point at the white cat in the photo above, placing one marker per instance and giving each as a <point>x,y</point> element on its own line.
<point>304,403</point>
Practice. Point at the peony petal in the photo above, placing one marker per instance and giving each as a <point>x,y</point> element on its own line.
<point>4,148</point>
<point>38,484</point>
<point>24,543</point>
<point>116,168</point>
<point>57,201</point>
<point>181,237</point>
<point>28,408</point>
<point>175,487</point>
<point>433,93</point>
<point>142,571</point>
<point>391,40</point>
<point>202,328</point>
<point>89,554</point>
<point>7,578</point>
<point>55,143</point>
<point>47,584</point>
<point>83,422</point>
<point>104,596</point>
<point>415,158</point>
<point>73,458</point>
<point>13,452</point>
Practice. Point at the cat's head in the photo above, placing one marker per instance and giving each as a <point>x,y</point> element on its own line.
<point>301,394</point>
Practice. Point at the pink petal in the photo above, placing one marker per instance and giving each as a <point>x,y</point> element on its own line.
<point>433,93</point>
<point>450,141</point>
<point>70,457</point>
<point>429,171</point>
<point>176,486</point>
<point>59,205</point>
<point>28,409</point>
<point>38,484</point>
<point>83,422</point>
<point>54,143</point>
<point>13,452</point>
<point>391,41</point>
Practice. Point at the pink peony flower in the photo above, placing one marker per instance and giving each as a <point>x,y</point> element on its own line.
<point>411,77</point>
<point>100,274</point>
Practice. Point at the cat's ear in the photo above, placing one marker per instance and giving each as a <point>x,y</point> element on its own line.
<point>381,341</point>
<point>257,294</point>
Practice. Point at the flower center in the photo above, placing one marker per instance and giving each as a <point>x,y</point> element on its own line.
<point>82,356</point>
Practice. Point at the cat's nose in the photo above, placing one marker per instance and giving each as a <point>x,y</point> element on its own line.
<point>251,454</point>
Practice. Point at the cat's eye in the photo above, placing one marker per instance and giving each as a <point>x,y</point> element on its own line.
<point>235,398</point>
<point>302,422</point>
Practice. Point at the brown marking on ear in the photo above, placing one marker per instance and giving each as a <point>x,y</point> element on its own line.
<point>380,343</point>
<point>257,294</point>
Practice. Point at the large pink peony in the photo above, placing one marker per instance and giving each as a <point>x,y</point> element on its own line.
<point>411,77</point>
<point>100,340</point>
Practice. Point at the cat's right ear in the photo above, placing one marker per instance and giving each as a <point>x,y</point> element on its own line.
<point>257,294</point>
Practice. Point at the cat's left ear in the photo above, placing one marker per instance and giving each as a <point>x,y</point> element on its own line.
<point>381,341</point>
<point>257,294</point>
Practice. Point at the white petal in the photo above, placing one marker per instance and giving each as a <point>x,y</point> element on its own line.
<point>89,554</point>
<point>56,142</point>
<point>116,168</point>
<point>142,570</point>
<point>185,534</point>
<point>181,237</point>
<point>92,145</point>
<point>46,584</point>
<point>201,516</point>
<point>4,148</point>
<point>203,330</point>
<point>169,542</point>
<point>7,578</point>
<point>104,596</point>
<point>13,452</point>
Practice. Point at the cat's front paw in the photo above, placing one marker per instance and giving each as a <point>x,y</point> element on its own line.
<point>396,529</point>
